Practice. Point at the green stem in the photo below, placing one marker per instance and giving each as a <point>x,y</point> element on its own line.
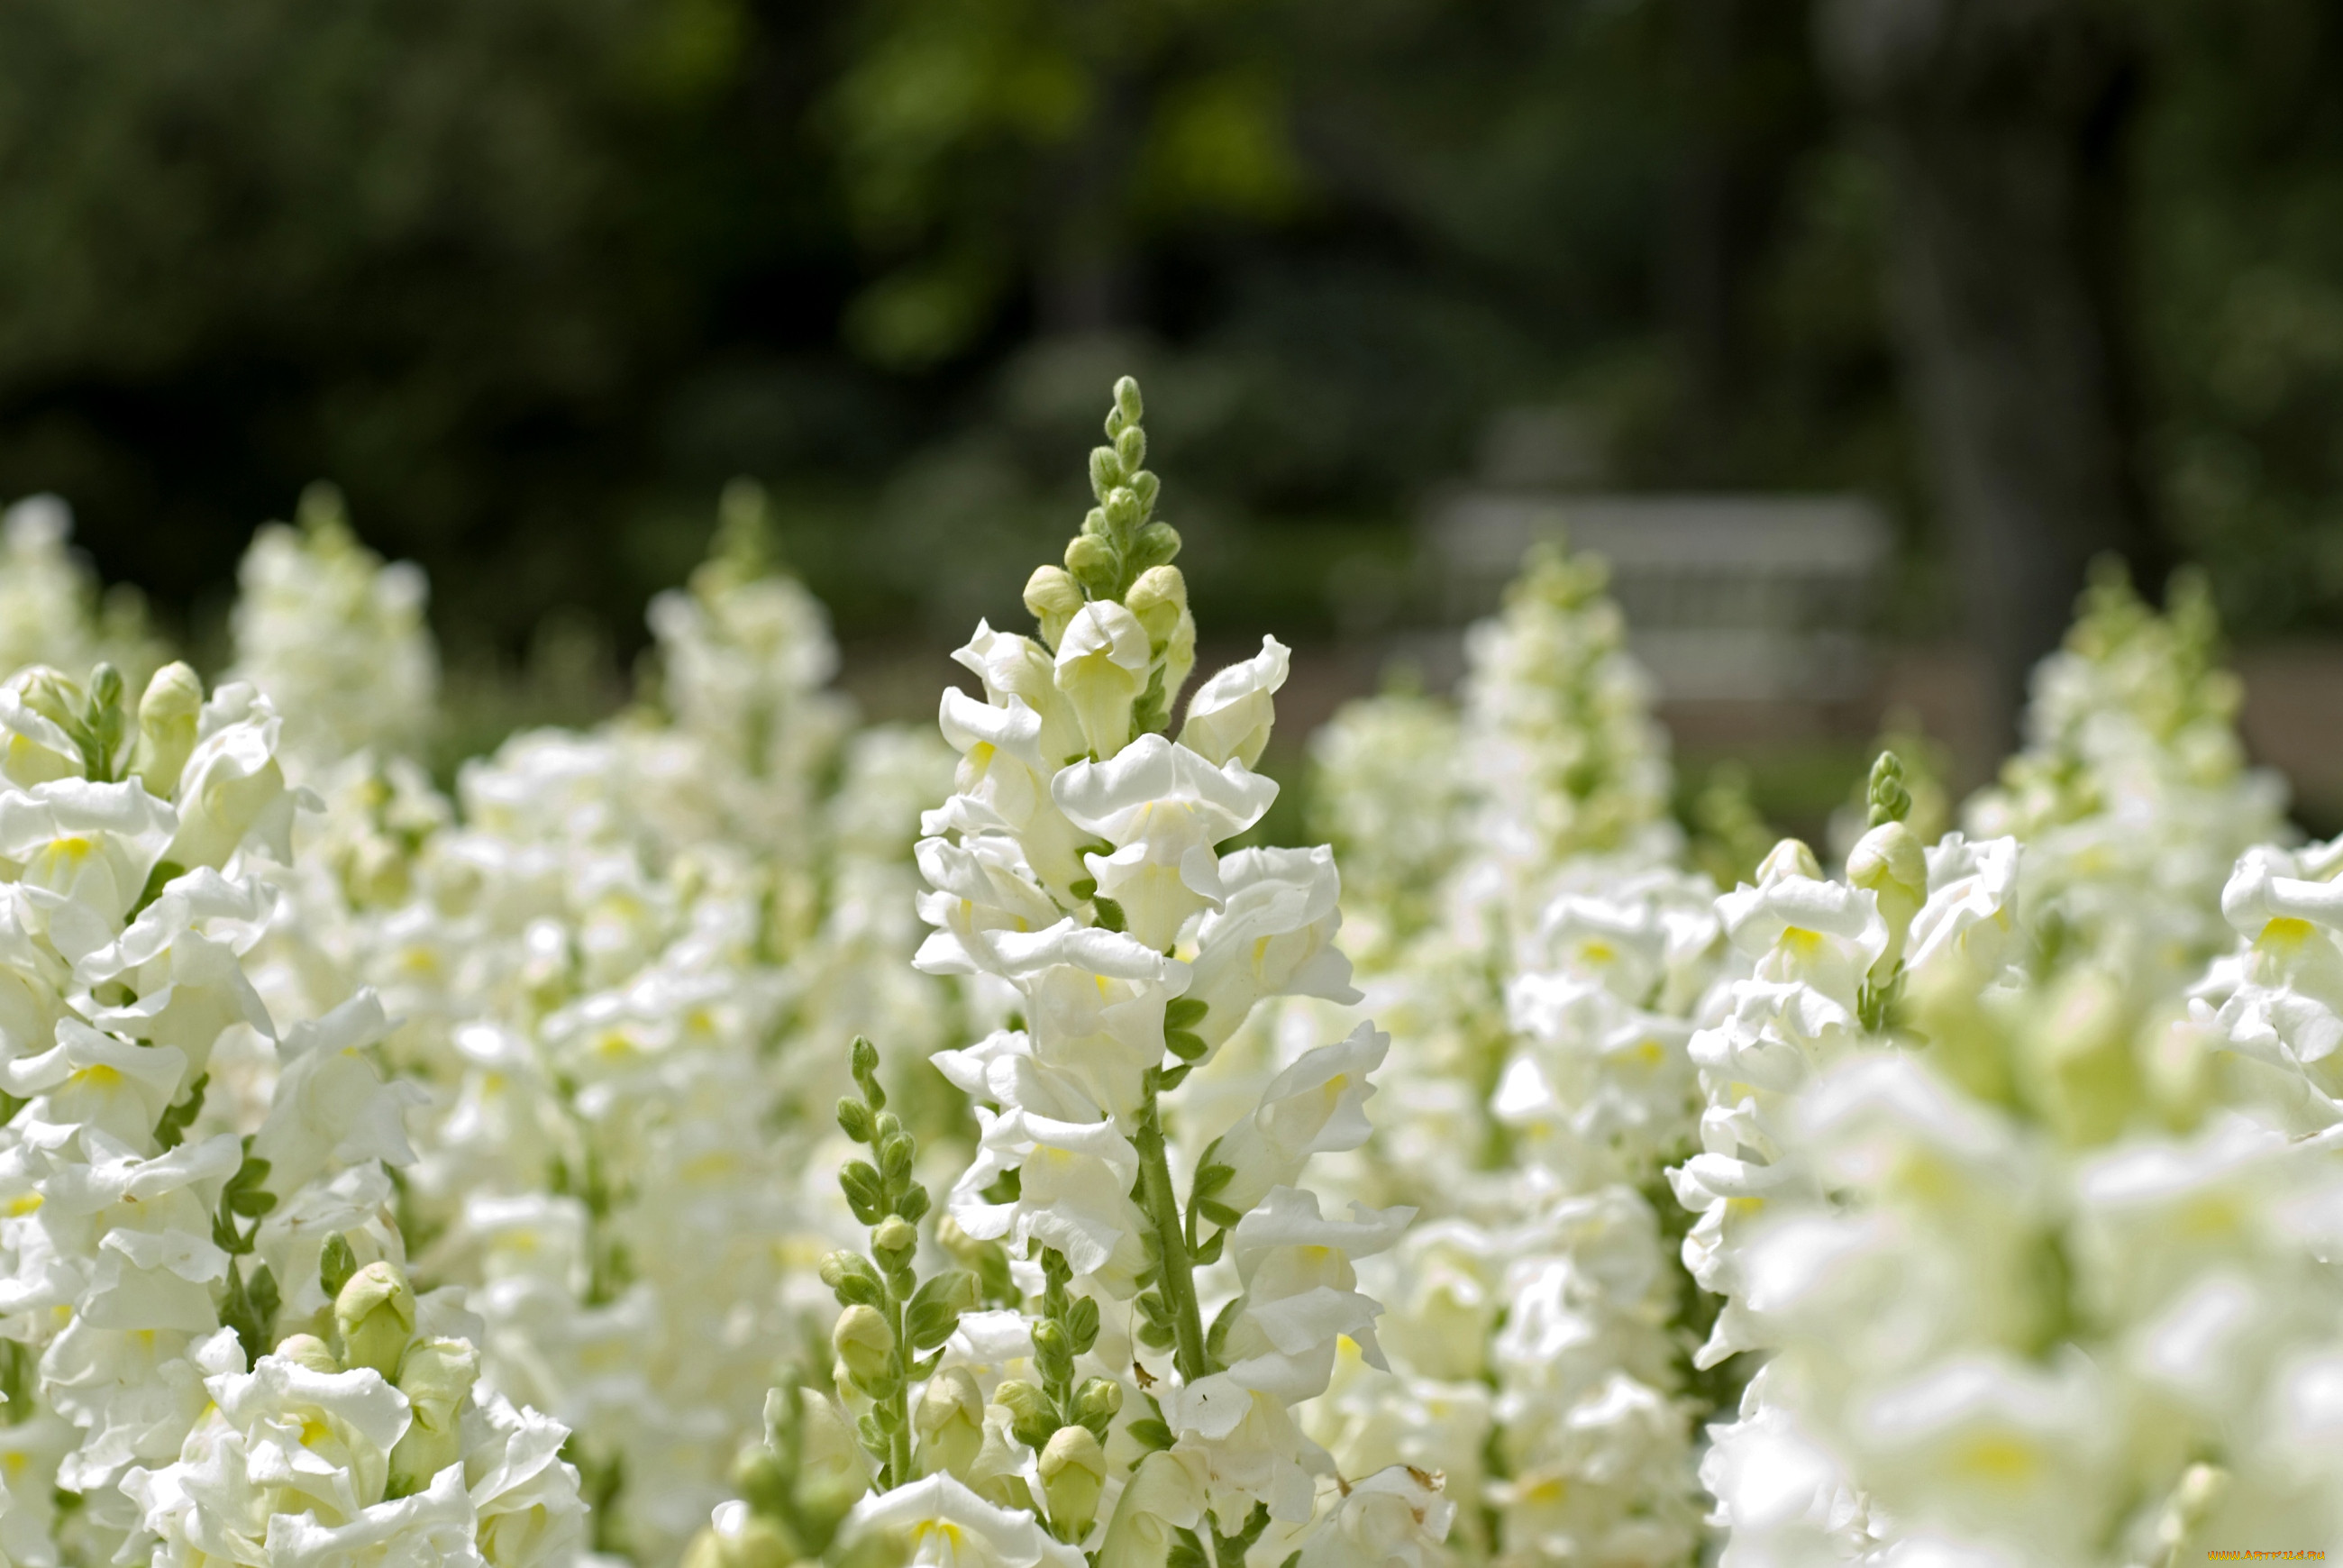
<point>899,1403</point>
<point>1179,1281</point>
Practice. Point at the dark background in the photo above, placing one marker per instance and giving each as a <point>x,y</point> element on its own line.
<point>530,279</point>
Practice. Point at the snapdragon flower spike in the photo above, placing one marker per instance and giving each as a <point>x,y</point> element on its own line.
<point>2132,793</point>
<point>1079,864</point>
<point>625,958</point>
<point>893,1323</point>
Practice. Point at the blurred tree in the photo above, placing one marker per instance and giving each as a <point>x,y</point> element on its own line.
<point>432,250</point>
<point>532,280</point>
<point>2005,127</point>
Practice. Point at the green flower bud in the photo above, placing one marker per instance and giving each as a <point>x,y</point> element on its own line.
<point>1121,508</point>
<point>742,1540</point>
<point>374,1315</point>
<point>1073,1472</point>
<point>1093,563</point>
<point>437,1377</point>
<point>1158,543</point>
<point>1030,1416</point>
<point>1107,471</point>
<point>1097,1403</point>
<point>308,1351</point>
<point>49,693</point>
<point>1053,596</point>
<point>894,1235</point>
<point>1130,448</point>
<point>166,727</point>
<point>865,1342</point>
<point>1127,406</point>
<point>760,1478</point>
<point>950,1421</point>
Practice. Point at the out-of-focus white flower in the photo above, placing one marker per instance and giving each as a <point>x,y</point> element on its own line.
<point>337,639</point>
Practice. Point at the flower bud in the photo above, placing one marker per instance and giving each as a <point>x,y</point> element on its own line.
<point>1790,858</point>
<point>310,1352</point>
<point>1122,508</point>
<point>895,1236</point>
<point>1164,1493</point>
<point>437,1377</point>
<point>1093,564</point>
<point>1074,1473</point>
<point>1156,545</point>
<point>166,727</point>
<point>1029,1420</point>
<point>1158,598</point>
<point>950,1421</point>
<point>865,1342</point>
<point>374,1315</point>
<point>1054,596</point>
<point>1890,861</point>
<point>1107,471</point>
<point>49,693</point>
<point>738,1537</point>
<point>1098,1403</point>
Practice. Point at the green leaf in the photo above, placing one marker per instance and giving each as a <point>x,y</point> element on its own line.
<point>1082,1325</point>
<point>1211,1178</point>
<point>1007,1189</point>
<point>1109,915</point>
<point>1151,1433</point>
<point>1184,1044</point>
<point>1210,1253</point>
<point>1184,1012</point>
<point>172,1129</point>
<point>336,1265</point>
<point>1218,1212</point>
<point>165,873</point>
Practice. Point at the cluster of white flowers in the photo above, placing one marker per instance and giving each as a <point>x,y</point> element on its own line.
<point>2132,795</point>
<point>156,1241</point>
<point>611,953</point>
<point>336,638</point>
<point>1115,1374</point>
<point>1978,1206</point>
<point>1543,955</point>
<point>2044,1266</point>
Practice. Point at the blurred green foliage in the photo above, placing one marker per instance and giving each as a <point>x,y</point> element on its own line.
<point>531,280</point>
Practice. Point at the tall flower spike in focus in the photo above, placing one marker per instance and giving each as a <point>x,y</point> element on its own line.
<point>1159,1295</point>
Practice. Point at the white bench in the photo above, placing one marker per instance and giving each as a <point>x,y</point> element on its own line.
<point>1728,598</point>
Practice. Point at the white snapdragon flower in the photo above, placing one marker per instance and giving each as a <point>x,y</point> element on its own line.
<point>1231,715</point>
<point>1163,808</point>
